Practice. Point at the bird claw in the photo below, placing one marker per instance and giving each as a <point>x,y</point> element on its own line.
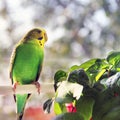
<point>37,84</point>
<point>15,86</point>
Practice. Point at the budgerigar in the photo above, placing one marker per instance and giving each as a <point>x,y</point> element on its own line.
<point>26,64</point>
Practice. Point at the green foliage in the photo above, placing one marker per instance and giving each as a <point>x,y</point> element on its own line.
<point>69,116</point>
<point>84,107</point>
<point>94,68</point>
<point>114,59</point>
<point>59,108</point>
<point>99,96</point>
<point>59,76</point>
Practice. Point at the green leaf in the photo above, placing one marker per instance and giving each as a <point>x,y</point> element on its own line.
<point>114,59</point>
<point>96,70</point>
<point>59,108</point>
<point>65,98</point>
<point>100,74</point>
<point>113,114</point>
<point>47,105</point>
<point>74,67</point>
<point>89,63</point>
<point>79,76</point>
<point>69,116</point>
<point>107,102</point>
<point>84,107</point>
<point>112,81</point>
<point>85,65</point>
<point>59,76</point>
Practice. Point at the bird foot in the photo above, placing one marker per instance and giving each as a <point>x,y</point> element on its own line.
<point>37,84</point>
<point>15,86</point>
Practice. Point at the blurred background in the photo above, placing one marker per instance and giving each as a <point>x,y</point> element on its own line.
<point>77,31</point>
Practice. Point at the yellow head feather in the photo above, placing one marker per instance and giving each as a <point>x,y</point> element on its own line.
<point>37,34</point>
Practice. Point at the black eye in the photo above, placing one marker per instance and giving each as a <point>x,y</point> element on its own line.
<point>40,38</point>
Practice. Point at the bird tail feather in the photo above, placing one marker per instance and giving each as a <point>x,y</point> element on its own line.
<point>21,102</point>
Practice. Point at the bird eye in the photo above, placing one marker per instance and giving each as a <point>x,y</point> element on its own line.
<point>40,38</point>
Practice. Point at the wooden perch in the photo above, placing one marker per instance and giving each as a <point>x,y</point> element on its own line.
<point>22,89</point>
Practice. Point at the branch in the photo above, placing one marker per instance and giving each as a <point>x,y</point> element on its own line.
<point>31,88</point>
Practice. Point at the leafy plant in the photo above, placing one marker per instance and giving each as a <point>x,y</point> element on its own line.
<point>97,93</point>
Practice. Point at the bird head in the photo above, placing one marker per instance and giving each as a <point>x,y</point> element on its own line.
<point>37,34</point>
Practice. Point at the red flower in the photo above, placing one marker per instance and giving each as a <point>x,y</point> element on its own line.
<point>116,94</point>
<point>91,118</point>
<point>70,107</point>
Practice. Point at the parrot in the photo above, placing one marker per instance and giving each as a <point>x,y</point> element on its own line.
<point>26,64</point>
